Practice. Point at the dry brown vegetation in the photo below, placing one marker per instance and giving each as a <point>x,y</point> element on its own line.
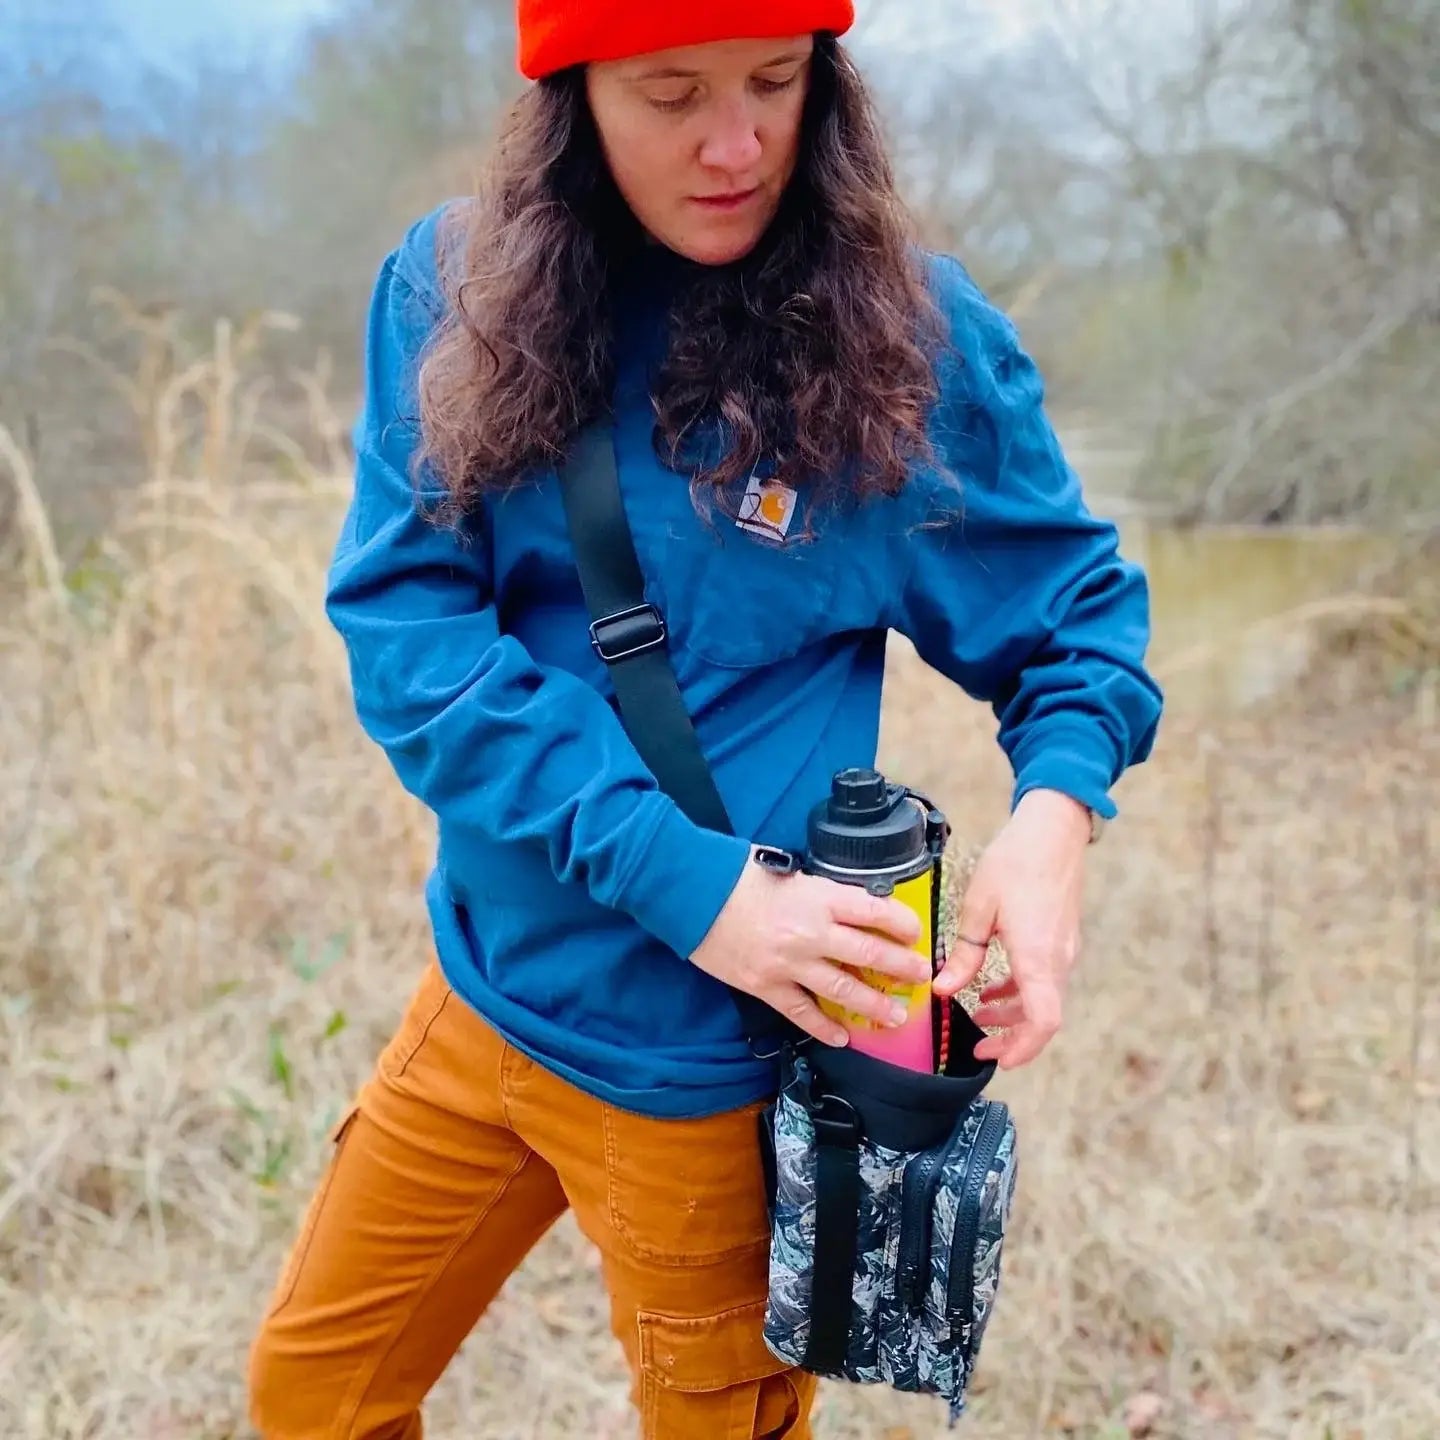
<point>210,910</point>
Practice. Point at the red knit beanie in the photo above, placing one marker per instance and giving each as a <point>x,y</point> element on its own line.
<point>555,34</point>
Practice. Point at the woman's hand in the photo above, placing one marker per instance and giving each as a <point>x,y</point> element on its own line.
<point>1028,890</point>
<point>779,936</point>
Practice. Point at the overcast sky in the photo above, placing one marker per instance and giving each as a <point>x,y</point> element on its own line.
<point>166,30</point>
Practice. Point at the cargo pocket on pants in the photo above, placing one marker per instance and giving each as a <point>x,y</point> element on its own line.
<point>714,1377</point>
<point>290,1276</point>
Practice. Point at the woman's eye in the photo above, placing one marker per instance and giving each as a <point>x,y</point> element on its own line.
<point>672,103</point>
<point>763,85</point>
<point>774,87</point>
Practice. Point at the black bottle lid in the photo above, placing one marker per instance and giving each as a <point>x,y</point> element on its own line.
<point>866,824</point>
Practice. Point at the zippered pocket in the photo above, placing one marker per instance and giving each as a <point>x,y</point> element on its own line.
<point>982,1208</point>
<point>917,1206</point>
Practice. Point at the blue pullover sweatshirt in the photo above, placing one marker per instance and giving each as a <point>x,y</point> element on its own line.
<point>569,890</point>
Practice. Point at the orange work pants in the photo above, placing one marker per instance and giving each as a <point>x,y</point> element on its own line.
<point>459,1153</point>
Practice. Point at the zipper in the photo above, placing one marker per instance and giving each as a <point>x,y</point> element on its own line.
<point>917,1201</point>
<point>961,1297</point>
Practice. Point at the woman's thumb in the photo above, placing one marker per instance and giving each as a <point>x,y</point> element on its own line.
<point>971,942</point>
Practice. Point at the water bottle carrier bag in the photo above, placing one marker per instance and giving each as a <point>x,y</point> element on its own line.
<point>890,1192</point>
<point>888,1189</point>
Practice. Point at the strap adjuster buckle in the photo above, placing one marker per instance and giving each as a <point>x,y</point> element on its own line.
<point>627,632</point>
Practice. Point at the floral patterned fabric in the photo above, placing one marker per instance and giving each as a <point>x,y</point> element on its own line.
<point>926,1341</point>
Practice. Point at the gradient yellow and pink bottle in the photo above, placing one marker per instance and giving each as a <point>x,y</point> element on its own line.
<point>888,840</point>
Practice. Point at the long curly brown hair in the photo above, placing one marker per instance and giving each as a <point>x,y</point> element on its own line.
<point>815,354</point>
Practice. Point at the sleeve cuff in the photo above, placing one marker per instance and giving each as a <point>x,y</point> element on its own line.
<point>1081,763</point>
<point>683,879</point>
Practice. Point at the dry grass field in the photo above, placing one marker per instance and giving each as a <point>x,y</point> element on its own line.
<point>1228,1221</point>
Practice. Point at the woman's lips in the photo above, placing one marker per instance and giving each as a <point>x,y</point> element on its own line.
<point>727,202</point>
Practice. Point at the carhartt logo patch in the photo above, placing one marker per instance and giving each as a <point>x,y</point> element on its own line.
<point>767,509</point>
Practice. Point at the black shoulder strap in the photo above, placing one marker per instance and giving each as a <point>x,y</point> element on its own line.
<point>628,634</point>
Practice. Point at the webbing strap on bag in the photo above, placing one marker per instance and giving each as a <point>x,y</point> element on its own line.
<point>628,633</point>
<point>837,1229</point>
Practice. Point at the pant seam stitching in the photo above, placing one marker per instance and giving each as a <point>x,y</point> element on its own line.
<point>424,1034</point>
<point>350,1407</point>
<point>507,1054</point>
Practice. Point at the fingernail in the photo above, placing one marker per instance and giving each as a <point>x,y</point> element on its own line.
<point>898,1014</point>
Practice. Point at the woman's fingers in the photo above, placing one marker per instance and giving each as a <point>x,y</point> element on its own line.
<point>868,951</point>
<point>999,1014</point>
<point>801,1010</point>
<point>1041,1013</point>
<point>1004,988</point>
<point>1000,1005</point>
<point>830,982</point>
<point>978,917</point>
<point>852,906</point>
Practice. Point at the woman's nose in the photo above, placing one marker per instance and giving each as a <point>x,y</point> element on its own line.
<point>733,141</point>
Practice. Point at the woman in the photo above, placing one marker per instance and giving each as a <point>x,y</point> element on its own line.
<point>689,223</point>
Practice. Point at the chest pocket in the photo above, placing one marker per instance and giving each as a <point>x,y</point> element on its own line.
<point>731,597</point>
<point>740,600</point>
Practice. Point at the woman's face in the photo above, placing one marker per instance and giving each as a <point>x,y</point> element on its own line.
<point>702,140</point>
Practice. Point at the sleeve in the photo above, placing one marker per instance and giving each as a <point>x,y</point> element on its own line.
<point>492,742</point>
<point>1015,591</point>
